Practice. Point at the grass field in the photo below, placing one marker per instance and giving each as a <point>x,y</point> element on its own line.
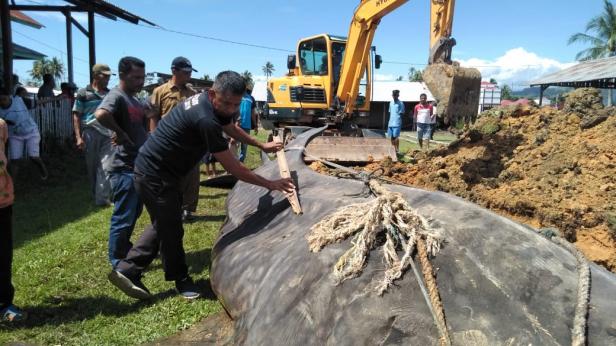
<point>60,265</point>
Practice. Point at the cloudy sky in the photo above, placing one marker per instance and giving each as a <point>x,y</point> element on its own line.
<point>511,41</point>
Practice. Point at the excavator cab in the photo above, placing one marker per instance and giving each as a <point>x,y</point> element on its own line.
<point>330,83</point>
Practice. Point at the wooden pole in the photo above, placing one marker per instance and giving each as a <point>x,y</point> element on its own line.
<point>7,45</point>
<point>286,173</point>
<point>91,41</point>
<point>69,46</point>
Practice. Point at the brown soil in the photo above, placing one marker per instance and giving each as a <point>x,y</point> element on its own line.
<point>542,166</point>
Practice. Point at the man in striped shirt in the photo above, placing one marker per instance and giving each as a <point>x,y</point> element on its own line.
<point>92,136</point>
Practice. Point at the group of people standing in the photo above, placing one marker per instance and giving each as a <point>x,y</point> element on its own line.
<point>148,153</point>
<point>423,115</point>
<point>161,163</point>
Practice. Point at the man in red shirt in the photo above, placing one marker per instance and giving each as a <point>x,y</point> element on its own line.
<point>425,119</point>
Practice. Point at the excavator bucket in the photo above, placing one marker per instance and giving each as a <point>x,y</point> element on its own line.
<point>456,90</point>
<point>349,149</point>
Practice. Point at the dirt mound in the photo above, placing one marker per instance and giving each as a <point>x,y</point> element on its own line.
<point>541,166</point>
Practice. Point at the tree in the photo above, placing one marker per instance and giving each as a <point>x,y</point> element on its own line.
<point>415,75</point>
<point>603,43</point>
<point>506,93</point>
<point>247,76</point>
<point>268,69</point>
<point>493,81</point>
<point>399,78</point>
<point>52,66</point>
<point>207,78</point>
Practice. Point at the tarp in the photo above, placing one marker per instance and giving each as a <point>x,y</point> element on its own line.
<point>500,282</point>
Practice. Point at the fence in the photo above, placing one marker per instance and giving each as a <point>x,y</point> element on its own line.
<point>55,122</point>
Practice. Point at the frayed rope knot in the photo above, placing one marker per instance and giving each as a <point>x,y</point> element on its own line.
<point>387,215</point>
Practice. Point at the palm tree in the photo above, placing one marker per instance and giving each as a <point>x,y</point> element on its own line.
<point>603,42</point>
<point>268,68</point>
<point>247,76</point>
<point>53,66</point>
<point>207,78</point>
<point>415,75</point>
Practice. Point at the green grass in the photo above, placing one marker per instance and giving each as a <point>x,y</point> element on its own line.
<point>60,266</point>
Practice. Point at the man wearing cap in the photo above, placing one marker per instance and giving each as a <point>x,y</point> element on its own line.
<point>163,99</point>
<point>90,135</point>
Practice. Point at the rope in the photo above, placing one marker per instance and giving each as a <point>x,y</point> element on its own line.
<point>403,228</point>
<point>435,298</point>
<point>578,331</point>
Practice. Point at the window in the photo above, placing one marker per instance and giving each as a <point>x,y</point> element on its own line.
<point>313,57</point>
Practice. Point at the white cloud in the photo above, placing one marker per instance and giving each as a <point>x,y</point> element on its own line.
<point>517,67</point>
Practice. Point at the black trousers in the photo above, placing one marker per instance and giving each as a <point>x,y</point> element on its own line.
<point>7,291</point>
<point>163,200</point>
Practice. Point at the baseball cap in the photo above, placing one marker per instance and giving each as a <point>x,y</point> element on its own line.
<point>181,63</point>
<point>102,69</point>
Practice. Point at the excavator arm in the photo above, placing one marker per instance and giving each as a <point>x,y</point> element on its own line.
<point>366,18</point>
<point>456,89</point>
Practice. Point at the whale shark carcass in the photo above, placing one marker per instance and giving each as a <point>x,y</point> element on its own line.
<point>500,282</point>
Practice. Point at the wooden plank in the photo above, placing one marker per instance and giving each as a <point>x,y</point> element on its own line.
<point>283,166</point>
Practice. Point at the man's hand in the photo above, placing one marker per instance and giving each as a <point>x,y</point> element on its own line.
<point>121,139</point>
<point>283,185</point>
<point>81,145</point>
<point>271,147</point>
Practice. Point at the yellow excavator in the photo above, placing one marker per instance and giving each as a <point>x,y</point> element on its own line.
<point>330,80</point>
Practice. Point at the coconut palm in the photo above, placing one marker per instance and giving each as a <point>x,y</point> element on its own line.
<point>53,66</point>
<point>603,43</point>
<point>268,69</point>
<point>247,76</point>
<point>415,75</point>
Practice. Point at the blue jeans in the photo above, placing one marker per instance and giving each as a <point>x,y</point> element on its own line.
<point>127,207</point>
<point>244,148</point>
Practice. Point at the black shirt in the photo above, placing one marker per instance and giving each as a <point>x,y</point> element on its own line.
<point>181,138</point>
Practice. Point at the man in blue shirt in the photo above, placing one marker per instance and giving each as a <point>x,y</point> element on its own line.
<point>396,110</point>
<point>248,117</point>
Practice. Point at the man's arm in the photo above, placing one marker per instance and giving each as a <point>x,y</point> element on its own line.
<point>155,109</point>
<point>106,119</point>
<point>233,166</point>
<point>255,120</point>
<point>238,134</point>
<point>77,128</point>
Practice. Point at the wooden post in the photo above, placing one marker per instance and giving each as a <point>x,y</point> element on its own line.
<point>69,46</point>
<point>7,45</point>
<point>91,41</point>
<point>286,173</point>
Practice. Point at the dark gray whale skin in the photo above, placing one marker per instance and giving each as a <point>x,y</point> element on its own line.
<point>500,282</point>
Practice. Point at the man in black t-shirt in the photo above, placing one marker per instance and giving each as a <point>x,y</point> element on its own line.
<point>191,129</point>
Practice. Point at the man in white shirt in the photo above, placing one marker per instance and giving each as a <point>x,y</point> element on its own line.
<point>425,118</point>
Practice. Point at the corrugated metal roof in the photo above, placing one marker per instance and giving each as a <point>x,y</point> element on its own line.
<point>584,72</point>
<point>109,10</point>
<point>24,19</point>
<point>381,91</point>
